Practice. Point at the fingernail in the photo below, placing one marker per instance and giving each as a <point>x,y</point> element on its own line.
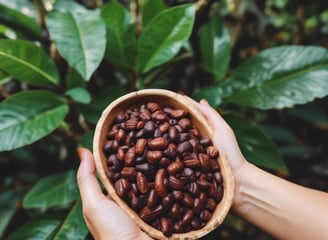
<point>204,101</point>
<point>80,152</point>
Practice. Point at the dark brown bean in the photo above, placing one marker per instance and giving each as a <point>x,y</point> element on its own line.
<point>158,143</point>
<point>142,182</point>
<point>175,168</point>
<point>122,187</point>
<point>152,198</point>
<point>160,186</point>
<point>166,226</point>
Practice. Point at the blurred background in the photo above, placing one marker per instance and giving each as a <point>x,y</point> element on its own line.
<point>299,132</point>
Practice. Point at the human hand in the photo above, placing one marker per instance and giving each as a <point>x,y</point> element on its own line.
<point>104,218</point>
<point>224,139</point>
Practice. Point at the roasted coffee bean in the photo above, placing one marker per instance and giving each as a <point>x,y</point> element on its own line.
<point>122,187</point>
<point>154,156</point>
<point>174,168</point>
<point>160,186</point>
<point>187,217</point>
<point>185,123</point>
<point>198,206</point>
<point>163,168</point>
<point>147,214</point>
<point>142,182</point>
<point>152,198</point>
<point>129,172</point>
<point>130,157</point>
<point>140,145</point>
<point>120,136</point>
<point>175,183</point>
<point>149,127</point>
<point>166,226</point>
<point>158,143</point>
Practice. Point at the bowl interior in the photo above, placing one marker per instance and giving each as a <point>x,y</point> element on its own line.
<point>163,98</point>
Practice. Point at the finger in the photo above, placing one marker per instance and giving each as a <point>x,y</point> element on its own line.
<point>88,184</point>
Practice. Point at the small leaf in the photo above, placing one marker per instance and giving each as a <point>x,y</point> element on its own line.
<point>150,9</point>
<point>256,146</point>
<point>55,190</point>
<point>41,228</point>
<point>26,117</point>
<point>73,226</point>
<point>164,36</point>
<point>281,77</point>
<point>121,35</point>
<point>27,62</point>
<point>80,95</point>
<point>214,44</point>
<point>80,37</point>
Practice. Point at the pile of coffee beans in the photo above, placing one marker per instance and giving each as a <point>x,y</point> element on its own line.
<point>163,168</point>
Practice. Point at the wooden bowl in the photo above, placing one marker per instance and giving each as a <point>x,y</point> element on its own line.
<point>163,98</point>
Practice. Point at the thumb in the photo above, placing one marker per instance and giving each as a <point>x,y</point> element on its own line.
<point>87,182</point>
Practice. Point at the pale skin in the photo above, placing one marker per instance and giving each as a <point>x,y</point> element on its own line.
<point>281,208</point>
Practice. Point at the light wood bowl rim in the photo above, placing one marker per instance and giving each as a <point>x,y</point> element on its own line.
<point>132,99</point>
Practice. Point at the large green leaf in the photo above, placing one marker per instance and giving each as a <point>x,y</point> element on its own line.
<point>214,45</point>
<point>27,116</point>
<point>43,227</point>
<point>27,62</point>
<point>164,36</point>
<point>121,35</point>
<point>256,146</point>
<point>19,22</point>
<point>80,37</point>
<point>58,189</point>
<point>73,226</point>
<point>281,77</point>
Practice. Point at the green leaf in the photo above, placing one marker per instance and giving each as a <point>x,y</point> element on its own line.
<point>150,9</point>
<point>213,94</point>
<point>27,62</point>
<point>215,50</point>
<point>80,95</point>
<point>28,116</point>
<point>164,36</point>
<point>256,146</point>
<point>55,190</point>
<point>8,201</point>
<point>80,37</point>
<point>19,22</point>
<point>73,226</point>
<point>281,77</point>
<point>120,34</point>
<point>41,228</point>
<point>86,140</point>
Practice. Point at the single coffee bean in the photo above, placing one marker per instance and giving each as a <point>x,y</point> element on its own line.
<point>158,143</point>
<point>122,187</point>
<point>140,145</point>
<point>130,157</point>
<point>152,198</point>
<point>154,156</point>
<point>174,168</point>
<point>166,226</point>
<point>159,182</point>
<point>175,183</point>
<point>142,182</point>
<point>147,214</point>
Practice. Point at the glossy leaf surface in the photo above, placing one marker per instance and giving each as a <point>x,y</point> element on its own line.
<point>27,62</point>
<point>164,36</point>
<point>281,77</point>
<point>58,189</point>
<point>26,117</point>
<point>256,146</point>
<point>120,34</point>
<point>214,44</point>
<point>80,37</point>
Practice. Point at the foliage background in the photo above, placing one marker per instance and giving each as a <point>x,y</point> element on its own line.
<point>67,86</point>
